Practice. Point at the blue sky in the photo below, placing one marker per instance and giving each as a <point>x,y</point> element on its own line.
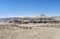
<point>13,8</point>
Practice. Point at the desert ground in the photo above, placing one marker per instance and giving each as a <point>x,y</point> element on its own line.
<point>14,32</point>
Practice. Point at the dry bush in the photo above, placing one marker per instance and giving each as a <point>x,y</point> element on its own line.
<point>25,27</point>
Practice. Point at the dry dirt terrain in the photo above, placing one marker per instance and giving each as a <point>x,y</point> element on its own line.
<point>13,32</point>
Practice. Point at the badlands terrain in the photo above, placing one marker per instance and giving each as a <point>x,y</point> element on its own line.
<point>21,32</point>
<point>27,28</point>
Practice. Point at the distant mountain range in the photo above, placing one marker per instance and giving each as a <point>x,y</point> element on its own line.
<point>6,19</point>
<point>10,18</point>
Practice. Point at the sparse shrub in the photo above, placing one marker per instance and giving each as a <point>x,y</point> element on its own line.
<point>38,33</point>
<point>30,27</point>
<point>25,27</point>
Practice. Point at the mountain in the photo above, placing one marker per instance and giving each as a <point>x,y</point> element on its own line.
<point>6,19</point>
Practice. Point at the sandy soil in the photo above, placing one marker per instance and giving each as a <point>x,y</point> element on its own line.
<point>11,32</point>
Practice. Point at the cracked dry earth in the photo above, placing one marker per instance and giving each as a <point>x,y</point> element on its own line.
<point>12,32</point>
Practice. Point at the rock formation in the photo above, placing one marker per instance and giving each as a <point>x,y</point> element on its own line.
<point>39,19</point>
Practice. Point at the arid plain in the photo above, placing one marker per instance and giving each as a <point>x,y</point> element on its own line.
<point>14,32</point>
